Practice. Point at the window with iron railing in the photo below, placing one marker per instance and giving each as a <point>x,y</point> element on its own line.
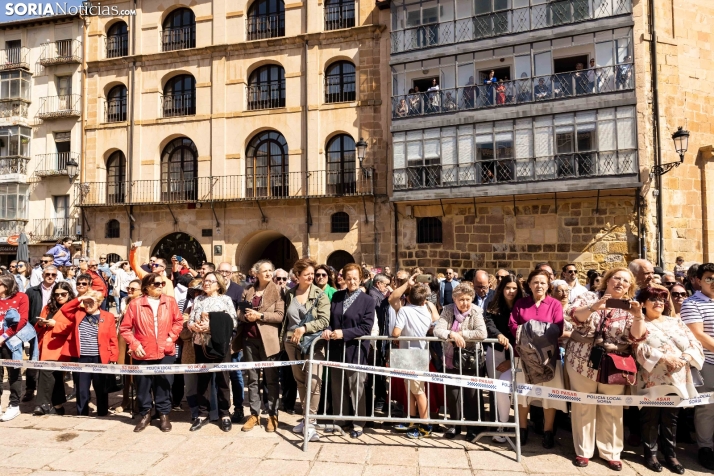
<point>266,19</point>
<point>115,110</point>
<point>266,88</point>
<point>117,40</point>
<point>340,82</point>
<point>179,97</point>
<point>339,14</point>
<point>179,30</point>
<point>341,165</point>
<point>14,55</point>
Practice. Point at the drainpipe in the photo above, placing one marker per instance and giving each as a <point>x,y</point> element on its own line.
<point>130,138</point>
<point>82,144</point>
<point>656,136</point>
<point>306,173</point>
<point>396,238</point>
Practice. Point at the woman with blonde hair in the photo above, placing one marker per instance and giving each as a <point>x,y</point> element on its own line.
<point>604,321</point>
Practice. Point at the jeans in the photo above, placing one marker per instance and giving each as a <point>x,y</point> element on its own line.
<point>98,381</point>
<point>237,388</point>
<point>159,385</point>
<point>255,352</point>
<point>13,376</point>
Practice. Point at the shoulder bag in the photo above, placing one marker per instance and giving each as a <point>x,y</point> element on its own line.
<point>613,368</point>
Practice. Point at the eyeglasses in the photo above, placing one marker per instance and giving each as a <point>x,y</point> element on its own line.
<point>54,275</point>
<point>571,271</point>
<point>133,290</point>
<point>62,294</point>
<point>225,272</point>
<point>209,281</point>
<point>46,261</point>
<point>669,283</point>
<point>20,265</point>
<point>157,264</point>
<point>708,280</point>
<point>158,284</point>
<point>93,265</point>
<point>320,275</point>
<point>280,279</point>
<point>103,258</point>
<point>88,302</point>
<point>679,295</point>
<point>82,285</point>
<point>656,299</point>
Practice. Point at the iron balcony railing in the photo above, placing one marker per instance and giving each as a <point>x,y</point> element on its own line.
<point>61,52</point>
<point>11,227</point>
<point>175,105</point>
<point>13,165</point>
<point>13,58</point>
<point>268,186</point>
<point>116,46</point>
<point>179,38</point>
<point>54,163</point>
<point>53,107</point>
<point>339,16</point>
<point>509,170</point>
<point>262,27</point>
<point>340,88</point>
<point>115,110</point>
<point>585,82</point>
<point>505,22</point>
<point>53,229</point>
<point>269,95</point>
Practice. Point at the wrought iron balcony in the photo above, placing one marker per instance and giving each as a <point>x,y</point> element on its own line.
<point>55,163</point>
<point>61,52</point>
<point>115,110</point>
<point>175,105</point>
<point>270,186</point>
<point>505,22</point>
<point>11,227</point>
<point>55,107</point>
<point>53,229</point>
<point>179,38</point>
<point>13,169</point>
<point>585,82</point>
<point>339,16</point>
<point>14,58</point>
<point>501,171</point>
<point>116,46</point>
<point>263,27</point>
<point>269,95</point>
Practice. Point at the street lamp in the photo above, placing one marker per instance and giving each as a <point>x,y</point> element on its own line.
<point>72,169</point>
<point>361,147</point>
<point>681,143</point>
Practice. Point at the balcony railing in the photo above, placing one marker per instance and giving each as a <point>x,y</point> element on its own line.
<point>174,105</point>
<point>53,229</point>
<point>13,58</point>
<point>268,95</point>
<point>54,163</point>
<point>61,52</point>
<point>180,38</point>
<point>54,107</point>
<point>339,16</point>
<point>340,88</point>
<point>13,166</point>
<point>558,167</point>
<point>261,27</point>
<point>11,227</point>
<point>585,82</point>
<point>229,188</point>
<point>115,110</point>
<point>517,20</point>
<point>117,45</point>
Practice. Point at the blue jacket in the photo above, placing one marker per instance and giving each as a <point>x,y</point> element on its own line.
<point>454,283</point>
<point>26,334</point>
<point>63,256</point>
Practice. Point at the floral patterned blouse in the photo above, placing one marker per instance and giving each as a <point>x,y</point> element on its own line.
<point>670,336</point>
<point>615,334</point>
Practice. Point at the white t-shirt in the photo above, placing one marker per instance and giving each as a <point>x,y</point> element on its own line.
<point>414,321</point>
<point>576,291</point>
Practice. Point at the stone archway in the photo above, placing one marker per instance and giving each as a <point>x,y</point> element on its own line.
<point>338,259</point>
<point>270,245</point>
<point>180,244</point>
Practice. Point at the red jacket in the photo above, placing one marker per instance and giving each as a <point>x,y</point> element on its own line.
<point>51,345</point>
<point>137,327</point>
<point>21,303</point>
<point>107,336</point>
<point>98,283</point>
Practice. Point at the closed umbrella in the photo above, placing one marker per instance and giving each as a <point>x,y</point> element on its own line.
<point>23,252</point>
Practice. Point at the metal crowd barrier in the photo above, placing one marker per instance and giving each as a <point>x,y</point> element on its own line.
<point>510,428</point>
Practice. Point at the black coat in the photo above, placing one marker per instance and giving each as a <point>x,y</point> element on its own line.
<point>34,295</point>
<point>356,322</point>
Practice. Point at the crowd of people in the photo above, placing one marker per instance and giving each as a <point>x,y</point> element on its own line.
<point>637,330</point>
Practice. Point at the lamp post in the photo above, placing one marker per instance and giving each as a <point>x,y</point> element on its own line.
<point>72,169</point>
<point>681,143</point>
<point>361,147</point>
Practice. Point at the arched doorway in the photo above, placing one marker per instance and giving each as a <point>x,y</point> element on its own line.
<point>270,245</point>
<point>180,244</point>
<point>338,259</point>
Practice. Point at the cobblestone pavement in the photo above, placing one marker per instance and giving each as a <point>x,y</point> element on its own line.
<point>72,446</point>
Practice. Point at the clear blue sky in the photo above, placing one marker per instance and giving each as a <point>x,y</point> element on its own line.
<point>3,3</point>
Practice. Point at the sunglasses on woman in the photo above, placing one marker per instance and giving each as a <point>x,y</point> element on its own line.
<point>82,285</point>
<point>281,279</point>
<point>319,275</point>
<point>133,290</point>
<point>679,295</point>
<point>158,284</point>
<point>656,299</point>
<point>62,294</point>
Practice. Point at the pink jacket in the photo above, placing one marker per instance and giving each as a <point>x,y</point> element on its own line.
<point>137,327</point>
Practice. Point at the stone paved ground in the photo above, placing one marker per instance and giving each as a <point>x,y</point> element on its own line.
<point>74,446</point>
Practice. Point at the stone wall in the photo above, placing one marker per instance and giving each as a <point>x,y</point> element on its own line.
<point>496,237</point>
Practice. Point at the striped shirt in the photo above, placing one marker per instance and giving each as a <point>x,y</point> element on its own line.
<point>89,336</point>
<point>700,308</point>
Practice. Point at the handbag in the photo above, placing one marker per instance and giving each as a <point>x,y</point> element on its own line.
<point>467,361</point>
<point>613,368</point>
<point>307,339</point>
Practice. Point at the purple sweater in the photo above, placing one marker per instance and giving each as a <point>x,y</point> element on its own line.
<point>524,310</point>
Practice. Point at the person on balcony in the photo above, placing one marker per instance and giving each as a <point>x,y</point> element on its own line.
<point>402,109</point>
<point>62,252</point>
<point>592,77</point>
<point>624,73</point>
<point>541,90</point>
<point>469,93</point>
<point>433,98</point>
<point>490,84</point>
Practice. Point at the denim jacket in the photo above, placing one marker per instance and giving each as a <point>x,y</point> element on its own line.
<point>26,334</point>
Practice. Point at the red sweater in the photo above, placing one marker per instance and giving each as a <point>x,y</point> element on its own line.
<point>20,302</point>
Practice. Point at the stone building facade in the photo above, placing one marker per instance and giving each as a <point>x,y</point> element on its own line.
<point>554,164</point>
<point>41,85</point>
<point>227,131</point>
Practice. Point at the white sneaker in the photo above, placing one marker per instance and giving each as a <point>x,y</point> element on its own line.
<point>312,434</point>
<point>301,426</point>
<point>10,413</point>
<point>499,439</point>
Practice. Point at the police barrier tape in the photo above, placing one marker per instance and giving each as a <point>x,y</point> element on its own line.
<point>481,383</point>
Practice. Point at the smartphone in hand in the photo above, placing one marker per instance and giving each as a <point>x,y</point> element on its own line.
<point>423,278</point>
<point>618,304</point>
